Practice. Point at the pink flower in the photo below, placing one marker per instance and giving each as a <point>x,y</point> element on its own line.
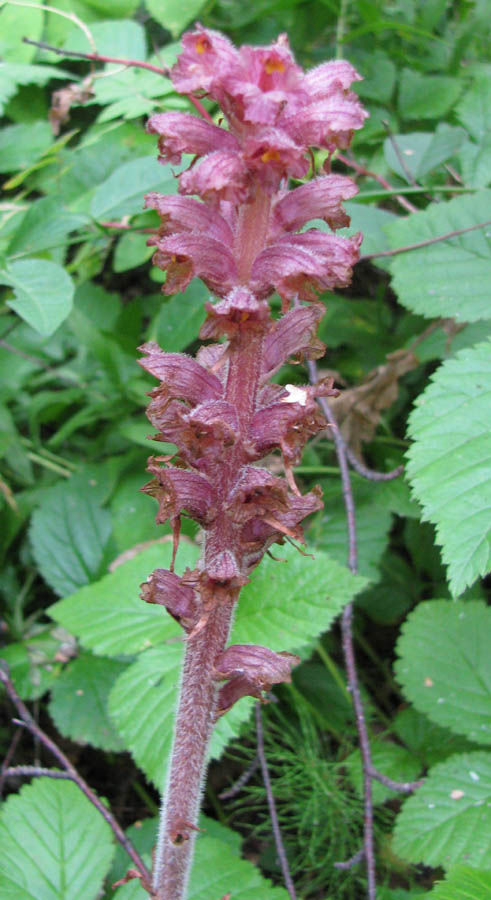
<point>182,133</point>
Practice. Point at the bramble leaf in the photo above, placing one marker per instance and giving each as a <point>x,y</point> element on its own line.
<point>43,293</point>
<point>463,883</point>
<point>448,278</point>
<point>449,463</point>
<point>53,844</point>
<point>444,665</point>
<point>446,822</point>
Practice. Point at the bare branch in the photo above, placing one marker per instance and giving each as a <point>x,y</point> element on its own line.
<point>435,240</point>
<point>406,204</point>
<point>280,849</point>
<point>352,861</point>
<point>403,787</point>
<point>27,721</point>
<point>241,782</point>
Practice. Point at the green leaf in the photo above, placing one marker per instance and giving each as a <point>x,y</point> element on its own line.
<point>463,883</point>
<point>426,96</point>
<point>43,293</point>
<point>131,251</point>
<point>180,318</point>
<point>122,193</point>
<point>447,278</point>
<point>449,462</point>
<point>429,742</point>
<point>53,844</point>
<point>109,618</point>
<point>174,15</point>
<point>422,151</point>
<point>444,665</point>
<point>391,760</point>
<point>46,225</point>
<point>69,535</point>
<point>22,145</point>
<point>475,162</point>
<point>447,822</point>
<point>370,221</point>
<point>15,23</point>
<point>78,704</point>
<point>122,39</point>
<point>474,110</point>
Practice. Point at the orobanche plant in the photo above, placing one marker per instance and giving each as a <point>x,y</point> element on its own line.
<point>221,409</point>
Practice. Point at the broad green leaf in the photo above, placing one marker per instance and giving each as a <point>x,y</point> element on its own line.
<point>379,76</point>
<point>180,318</point>
<point>444,665</point>
<point>474,110</point>
<point>143,702</point>
<point>43,293</point>
<point>46,225</point>
<point>22,145</point>
<point>422,151</point>
<point>447,278</point>
<point>69,535</point>
<point>173,14</point>
<point>122,193</point>
<point>447,822</point>
<point>216,869</point>
<point>118,38</point>
<point>131,513</point>
<point>109,618</point>
<point>391,760</point>
<point>429,742</point>
<point>131,251</point>
<point>449,463</point>
<point>463,883</point>
<point>426,96</point>
<point>370,221</point>
<point>475,162</point>
<point>79,697</point>
<point>287,604</point>
<point>15,23</point>
<point>53,844</point>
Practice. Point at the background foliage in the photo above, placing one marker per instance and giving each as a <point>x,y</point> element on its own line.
<point>410,344</point>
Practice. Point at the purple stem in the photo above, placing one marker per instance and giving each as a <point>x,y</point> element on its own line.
<point>280,849</point>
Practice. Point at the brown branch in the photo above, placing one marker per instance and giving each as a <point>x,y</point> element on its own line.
<point>403,787</point>
<point>35,772</point>
<point>402,162</point>
<point>352,861</point>
<point>9,756</point>
<point>129,63</point>
<point>27,721</point>
<point>406,204</point>
<point>435,240</point>
<point>241,782</point>
<point>280,849</point>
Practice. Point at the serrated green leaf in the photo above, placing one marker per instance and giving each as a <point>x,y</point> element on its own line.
<point>449,463</point>
<point>22,145</point>
<point>463,883</point>
<point>217,867</point>
<point>43,293</point>
<point>53,844</point>
<point>123,192</point>
<point>46,225</point>
<point>109,618</point>
<point>173,14</point>
<point>78,704</point>
<point>447,278</point>
<point>284,606</point>
<point>69,534</point>
<point>429,742</point>
<point>444,665</point>
<point>391,760</point>
<point>447,821</point>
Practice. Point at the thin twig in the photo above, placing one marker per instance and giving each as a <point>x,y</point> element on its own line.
<point>435,240</point>
<point>241,782</point>
<point>404,787</point>
<point>352,861</point>
<point>370,474</point>
<point>402,162</point>
<point>9,756</point>
<point>406,204</point>
<point>27,721</point>
<point>128,63</point>
<point>58,12</point>
<point>37,772</point>
<point>280,849</point>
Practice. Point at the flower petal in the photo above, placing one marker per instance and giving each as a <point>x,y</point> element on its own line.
<point>185,214</point>
<point>168,589</point>
<point>186,256</point>
<point>293,333</point>
<point>181,376</point>
<point>177,491</point>
<point>251,670</point>
<point>320,198</point>
<point>219,176</point>
<point>240,310</point>
<point>329,78</point>
<point>183,133</point>
<point>205,60</point>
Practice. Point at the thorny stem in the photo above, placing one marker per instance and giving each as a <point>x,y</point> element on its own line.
<point>280,849</point>
<point>27,721</point>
